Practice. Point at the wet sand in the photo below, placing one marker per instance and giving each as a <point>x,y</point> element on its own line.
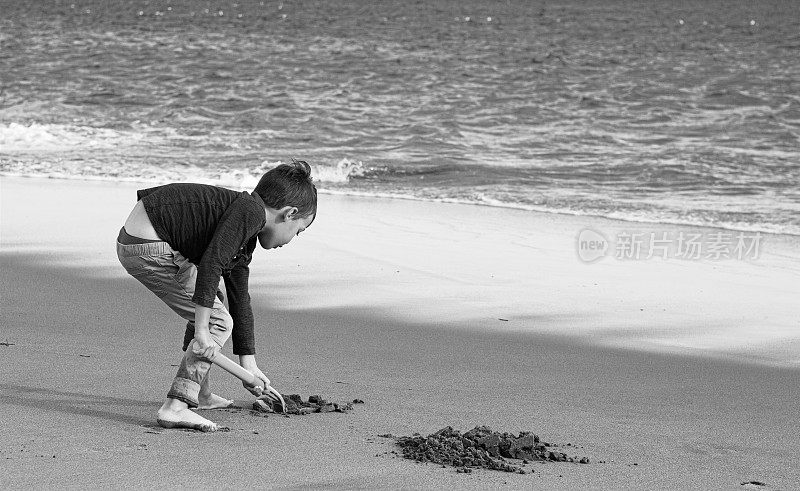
<point>399,303</point>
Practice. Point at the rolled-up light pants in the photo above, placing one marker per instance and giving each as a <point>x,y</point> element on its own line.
<point>172,277</point>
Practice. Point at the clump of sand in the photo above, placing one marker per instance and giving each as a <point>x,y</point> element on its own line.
<point>297,406</point>
<point>480,448</point>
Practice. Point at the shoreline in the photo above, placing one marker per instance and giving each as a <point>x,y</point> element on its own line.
<point>398,304</point>
<point>247,184</point>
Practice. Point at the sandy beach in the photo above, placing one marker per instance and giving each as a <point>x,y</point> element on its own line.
<point>675,374</point>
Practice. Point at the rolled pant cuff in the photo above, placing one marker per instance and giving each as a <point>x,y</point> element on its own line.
<point>185,390</point>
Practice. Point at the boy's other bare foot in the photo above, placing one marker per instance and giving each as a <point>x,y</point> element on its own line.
<point>209,400</point>
<point>176,414</point>
<point>213,401</point>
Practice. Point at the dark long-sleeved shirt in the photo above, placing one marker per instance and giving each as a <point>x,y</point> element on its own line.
<point>216,229</point>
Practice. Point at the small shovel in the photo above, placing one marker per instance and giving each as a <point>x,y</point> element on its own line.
<point>248,378</point>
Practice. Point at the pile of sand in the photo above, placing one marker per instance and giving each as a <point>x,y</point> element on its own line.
<point>480,448</point>
<point>296,405</point>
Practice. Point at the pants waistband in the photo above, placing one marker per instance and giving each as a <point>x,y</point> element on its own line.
<point>147,249</point>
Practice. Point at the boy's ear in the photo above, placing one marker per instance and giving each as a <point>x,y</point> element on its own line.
<point>289,212</point>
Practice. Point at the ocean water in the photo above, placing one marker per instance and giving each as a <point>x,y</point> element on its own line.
<point>669,111</point>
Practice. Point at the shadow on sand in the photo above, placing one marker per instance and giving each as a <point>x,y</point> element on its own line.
<point>74,403</point>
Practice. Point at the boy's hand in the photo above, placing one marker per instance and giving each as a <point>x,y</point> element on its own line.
<point>203,345</point>
<point>248,362</point>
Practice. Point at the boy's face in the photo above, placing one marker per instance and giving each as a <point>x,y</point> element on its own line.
<point>282,232</point>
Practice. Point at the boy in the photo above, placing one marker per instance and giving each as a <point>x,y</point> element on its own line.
<point>181,238</point>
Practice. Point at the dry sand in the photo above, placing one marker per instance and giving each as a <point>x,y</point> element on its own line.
<point>677,374</point>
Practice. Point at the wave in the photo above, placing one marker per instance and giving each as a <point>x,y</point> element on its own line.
<point>87,169</point>
<point>37,138</point>
<point>675,191</point>
<point>342,172</point>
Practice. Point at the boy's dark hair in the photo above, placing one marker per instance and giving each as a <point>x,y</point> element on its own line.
<point>289,185</point>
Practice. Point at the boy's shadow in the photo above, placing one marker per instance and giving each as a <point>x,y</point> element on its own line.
<point>73,403</point>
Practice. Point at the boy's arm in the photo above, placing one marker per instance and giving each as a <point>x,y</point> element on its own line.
<point>237,287</point>
<point>239,222</point>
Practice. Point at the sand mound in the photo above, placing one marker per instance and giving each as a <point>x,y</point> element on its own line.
<point>480,448</point>
<point>296,405</point>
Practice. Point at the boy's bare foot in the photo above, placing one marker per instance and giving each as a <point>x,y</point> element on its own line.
<point>213,401</point>
<point>209,400</point>
<point>176,414</point>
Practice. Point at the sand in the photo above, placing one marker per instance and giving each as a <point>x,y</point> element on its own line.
<point>676,374</point>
